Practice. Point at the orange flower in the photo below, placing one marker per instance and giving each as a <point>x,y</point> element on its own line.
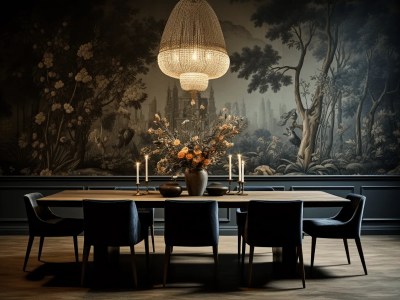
<point>181,154</point>
<point>197,159</point>
<point>197,150</point>
<point>207,161</point>
<point>189,156</point>
<point>185,150</point>
<point>177,142</point>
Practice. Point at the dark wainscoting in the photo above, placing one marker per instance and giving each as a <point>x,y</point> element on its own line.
<point>381,216</point>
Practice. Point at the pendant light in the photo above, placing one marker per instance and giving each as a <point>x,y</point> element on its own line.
<point>192,47</point>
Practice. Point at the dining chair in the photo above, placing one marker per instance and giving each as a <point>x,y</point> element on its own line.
<point>241,215</point>
<point>146,214</point>
<point>274,224</point>
<point>44,223</point>
<point>190,223</point>
<point>112,223</point>
<point>346,224</point>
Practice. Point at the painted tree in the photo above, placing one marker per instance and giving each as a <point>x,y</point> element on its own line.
<point>297,24</point>
<point>373,71</point>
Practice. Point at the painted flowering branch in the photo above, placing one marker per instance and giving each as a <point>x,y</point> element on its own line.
<point>192,144</point>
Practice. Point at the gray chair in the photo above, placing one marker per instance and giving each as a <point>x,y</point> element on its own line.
<point>146,214</point>
<point>112,223</point>
<point>345,225</point>
<point>44,223</point>
<point>241,215</point>
<point>274,224</point>
<point>191,223</point>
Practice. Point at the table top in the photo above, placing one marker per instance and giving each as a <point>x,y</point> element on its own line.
<point>73,198</point>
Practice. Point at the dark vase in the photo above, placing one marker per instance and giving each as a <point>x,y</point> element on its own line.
<point>196,181</point>
<point>170,189</point>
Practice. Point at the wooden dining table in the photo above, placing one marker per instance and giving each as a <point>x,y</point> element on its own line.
<point>74,198</point>
<point>285,256</point>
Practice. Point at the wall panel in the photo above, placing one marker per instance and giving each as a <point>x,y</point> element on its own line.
<point>382,212</point>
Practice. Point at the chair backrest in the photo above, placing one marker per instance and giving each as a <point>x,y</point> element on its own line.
<point>274,223</point>
<point>37,214</point>
<point>111,222</point>
<point>352,213</point>
<point>191,223</point>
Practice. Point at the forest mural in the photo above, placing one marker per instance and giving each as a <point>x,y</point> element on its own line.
<point>316,80</point>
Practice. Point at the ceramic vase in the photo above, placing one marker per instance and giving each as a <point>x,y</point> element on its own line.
<point>196,181</point>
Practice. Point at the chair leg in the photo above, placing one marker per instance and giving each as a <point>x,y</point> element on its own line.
<point>313,244</point>
<point>360,252</point>
<point>243,250</point>
<point>243,255</point>
<point>346,247</point>
<point>152,237</point>
<point>76,248</point>
<point>146,247</point>
<point>239,245</point>
<point>28,251</point>
<point>300,256</point>
<point>40,247</point>
<point>215,254</point>
<point>250,271</point>
<point>85,258</point>
<point>133,262</point>
<point>167,256</point>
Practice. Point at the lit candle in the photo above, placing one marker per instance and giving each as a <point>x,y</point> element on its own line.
<point>239,167</point>
<point>146,160</point>
<point>242,170</point>
<point>230,166</point>
<point>137,172</point>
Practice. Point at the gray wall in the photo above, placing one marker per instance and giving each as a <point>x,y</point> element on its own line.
<point>381,216</point>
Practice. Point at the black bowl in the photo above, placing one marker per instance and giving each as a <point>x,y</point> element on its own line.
<point>216,189</point>
<point>170,189</point>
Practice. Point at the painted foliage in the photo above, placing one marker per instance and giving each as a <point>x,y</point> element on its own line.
<point>317,82</point>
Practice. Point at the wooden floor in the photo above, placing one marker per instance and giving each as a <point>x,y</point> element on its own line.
<point>191,273</point>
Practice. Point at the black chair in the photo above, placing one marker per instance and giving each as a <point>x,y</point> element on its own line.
<point>241,214</point>
<point>44,223</point>
<point>274,224</point>
<point>112,223</point>
<point>191,223</point>
<point>345,225</point>
<point>146,214</point>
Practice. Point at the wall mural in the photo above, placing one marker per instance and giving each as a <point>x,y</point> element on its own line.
<point>317,82</point>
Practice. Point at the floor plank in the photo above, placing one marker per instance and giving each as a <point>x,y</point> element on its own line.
<point>191,272</point>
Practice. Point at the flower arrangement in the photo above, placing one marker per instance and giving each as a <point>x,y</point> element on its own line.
<point>192,144</point>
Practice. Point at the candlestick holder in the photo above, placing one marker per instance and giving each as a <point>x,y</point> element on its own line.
<point>147,187</point>
<point>240,188</point>
<point>229,186</point>
<point>138,193</point>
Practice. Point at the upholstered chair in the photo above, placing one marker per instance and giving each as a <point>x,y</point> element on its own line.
<point>112,223</point>
<point>274,224</point>
<point>190,223</point>
<point>44,223</point>
<point>345,225</point>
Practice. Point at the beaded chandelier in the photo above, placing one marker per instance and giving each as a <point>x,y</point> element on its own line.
<point>192,47</point>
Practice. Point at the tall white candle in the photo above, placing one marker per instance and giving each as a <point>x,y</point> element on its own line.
<point>242,170</point>
<point>137,172</point>
<point>146,166</point>
<point>230,166</point>
<point>239,167</point>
